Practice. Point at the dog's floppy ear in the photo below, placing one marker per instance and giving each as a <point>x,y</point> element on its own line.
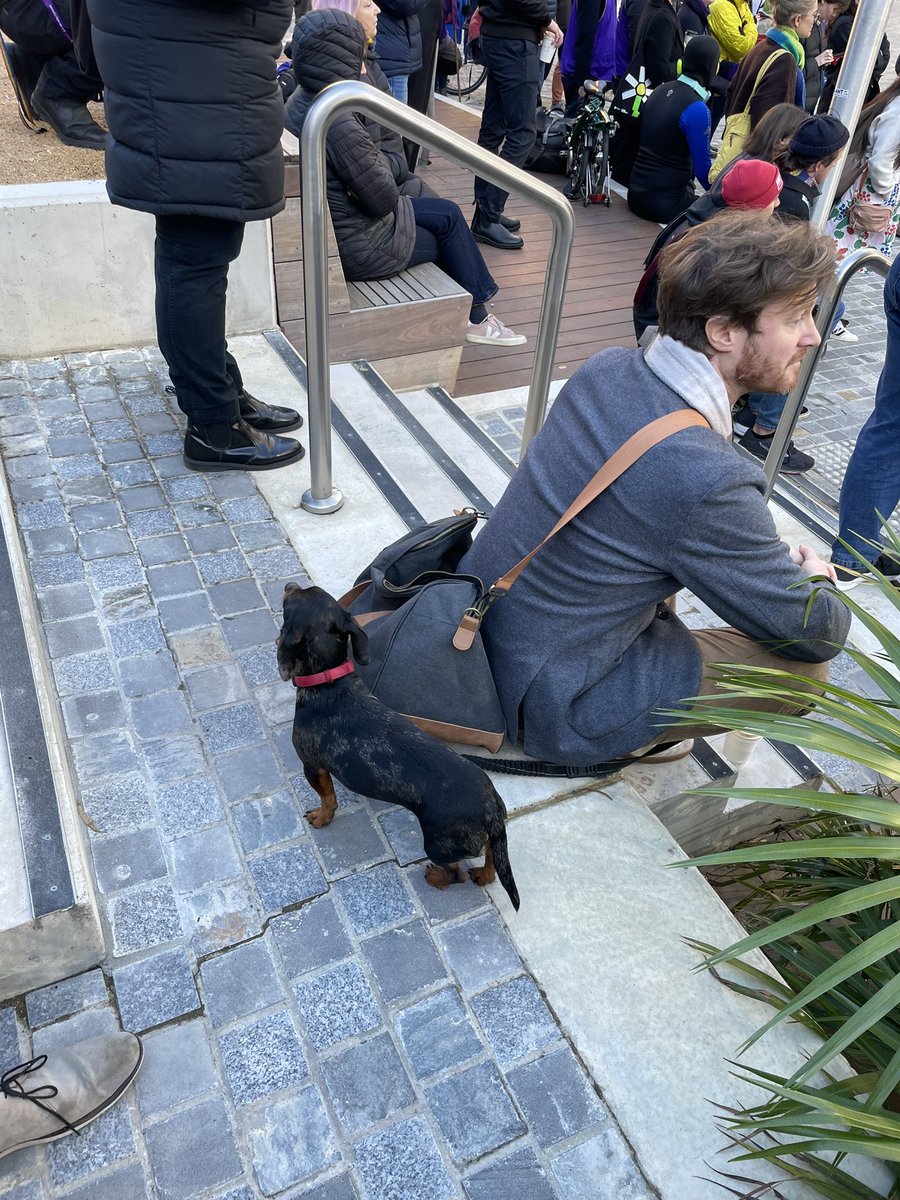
<point>359,640</point>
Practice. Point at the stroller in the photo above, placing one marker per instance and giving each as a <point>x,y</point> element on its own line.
<point>587,163</point>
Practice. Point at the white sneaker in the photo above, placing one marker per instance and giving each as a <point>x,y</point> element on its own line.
<point>842,333</point>
<point>492,332</point>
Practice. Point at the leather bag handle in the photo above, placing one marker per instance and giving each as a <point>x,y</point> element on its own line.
<point>627,454</point>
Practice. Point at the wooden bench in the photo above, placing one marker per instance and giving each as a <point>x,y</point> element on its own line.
<point>411,327</point>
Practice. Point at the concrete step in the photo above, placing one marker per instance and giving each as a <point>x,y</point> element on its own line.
<point>49,927</point>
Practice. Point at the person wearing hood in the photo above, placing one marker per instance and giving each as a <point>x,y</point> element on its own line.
<point>378,230</point>
<point>674,138</point>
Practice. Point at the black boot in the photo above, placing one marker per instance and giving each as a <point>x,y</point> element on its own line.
<point>267,418</point>
<point>513,224</point>
<point>69,120</point>
<point>493,233</point>
<point>24,71</point>
<point>234,446</point>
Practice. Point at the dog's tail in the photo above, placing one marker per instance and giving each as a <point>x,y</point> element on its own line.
<point>500,855</point>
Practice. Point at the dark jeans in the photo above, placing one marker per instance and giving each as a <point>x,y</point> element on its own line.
<point>192,259</point>
<point>33,27</point>
<point>507,122</point>
<point>443,237</point>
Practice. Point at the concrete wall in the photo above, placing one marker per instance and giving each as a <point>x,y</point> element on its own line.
<point>76,273</point>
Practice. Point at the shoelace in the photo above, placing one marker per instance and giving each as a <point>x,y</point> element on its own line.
<point>11,1086</point>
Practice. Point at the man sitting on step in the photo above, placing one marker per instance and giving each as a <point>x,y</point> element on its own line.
<point>584,648</point>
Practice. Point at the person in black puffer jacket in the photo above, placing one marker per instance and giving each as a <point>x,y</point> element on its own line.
<point>379,231</point>
<point>399,43</point>
<point>195,117</point>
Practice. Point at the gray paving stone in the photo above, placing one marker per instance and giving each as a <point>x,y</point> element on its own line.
<point>87,491</point>
<point>84,715</point>
<point>277,702</point>
<point>437,1033</point>
<point>61,999</point>
<point>249,629</point>
<point>127,859</point>
<point>350,841</point>
<point>222,567</point>
<point>338,1187</point>
<point>105,1141</point>
<point>602,1168</point>
<point>82,673</point>
<point>55,569</point>
<point>136,637</point>
<point>89,1023</point>
<point>474,1112</point>
<point>127,475</point>
<point>205,539</point>
<point>201,859</point>
<point>30,479</point>
<point>367,1083</point>
<point>77,467</point>
<point>479,951</point>
<point>276,564</point>
<point>191,513</point>
<point>148,673</point>
<point>240,596</point>
<point>404,834</point>
<point>215,686</point>
<point>103,543</point>
<point>114,432</point>
<point>173,580</point>
<point>182,613</point>
<point>268,821</point>
<point>290,1141</point>
<point>229,728</point>
<point>163,443</point>
<point>515,1019</point>
<point>222,916</point>
<point>185,487</point>
<point>126,603</point>
<point>336,1004</point>
<point>311,937</point>
<point>556,1096</point>
<point>445,904</point>
<point>193,1151</point>
<point>199,648</point>
<point>79,636</point>
<point>118,804</point>
<point>243,510</point>
<point>248,772</point>
<point>262,1057</point>
<point>9,1036</point>
<point>60,603</point>
<point>232,485</point>
<point>158,551</point>
<point>239,982</point>
<point>259,536</point>
<point>403,961</point>
<point>155,990</point>
<point>57,540</point>
<point>170,466</point>
<point>518,1176</point>
<point>58,447</point>
<point>134,499</point>
<point>128,1182</point>
<point>151,521</point>
<point>285,877</point>
<point>170,760</point>
<point>143,919</point>
<point>375,898</point>
<point>160,714</point>
<point>109,573</point>
<point>178,1066</point>
<point>403,1163</point>
<point>188,806</point>
<point>103,756</point>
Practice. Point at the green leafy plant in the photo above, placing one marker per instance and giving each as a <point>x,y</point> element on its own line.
<point>823,902</point>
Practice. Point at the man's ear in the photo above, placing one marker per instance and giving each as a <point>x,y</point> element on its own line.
<point>721,334</point>
<point>359,639</point>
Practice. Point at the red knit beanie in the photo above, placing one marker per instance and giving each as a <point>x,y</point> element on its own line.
<point>751,183</point>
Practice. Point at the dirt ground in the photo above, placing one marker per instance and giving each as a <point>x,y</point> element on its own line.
<point>31,157</point>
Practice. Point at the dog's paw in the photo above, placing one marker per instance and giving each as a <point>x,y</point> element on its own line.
<point>441,877</point>
<point>319,817</point>
<point>482,875</point>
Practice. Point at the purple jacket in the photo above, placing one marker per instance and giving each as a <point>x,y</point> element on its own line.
<point>603,58</point>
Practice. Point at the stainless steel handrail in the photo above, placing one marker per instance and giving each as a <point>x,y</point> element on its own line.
<point>828,304</point>
<point>351,96</point>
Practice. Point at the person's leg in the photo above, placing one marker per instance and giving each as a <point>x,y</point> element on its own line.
<point>488,198</point>
<point>872,480</point>
<point>399,85</point>
<point>767,408</point>
<point>732,646</point>
<point>457,254</point>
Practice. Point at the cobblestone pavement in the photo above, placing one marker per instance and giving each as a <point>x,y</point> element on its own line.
<point>318,1022</point>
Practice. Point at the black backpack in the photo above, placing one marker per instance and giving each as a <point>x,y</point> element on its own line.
<point>550,150</point>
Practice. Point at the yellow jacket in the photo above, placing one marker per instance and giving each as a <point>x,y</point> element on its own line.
<point>732,25</point>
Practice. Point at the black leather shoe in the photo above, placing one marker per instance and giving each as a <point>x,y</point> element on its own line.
<point>267,418</point>
<point>513,224</point>
<point>492,233</point>
<point>244,449</point>
<point>69,120</point>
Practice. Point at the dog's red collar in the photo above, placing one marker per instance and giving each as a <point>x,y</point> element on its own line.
<point>329,676</point>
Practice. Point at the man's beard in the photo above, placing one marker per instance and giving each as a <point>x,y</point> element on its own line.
<point>756,373</point>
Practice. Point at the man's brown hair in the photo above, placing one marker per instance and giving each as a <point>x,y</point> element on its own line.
<point>734,266</point>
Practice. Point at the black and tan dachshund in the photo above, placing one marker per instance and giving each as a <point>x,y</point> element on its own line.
<point>342,731</point>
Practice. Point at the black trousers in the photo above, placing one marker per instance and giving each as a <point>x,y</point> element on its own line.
<point>34,27</point>
<point>192,259</point>
<point>510,103</point>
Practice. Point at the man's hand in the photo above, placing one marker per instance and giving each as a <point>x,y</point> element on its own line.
<point>825,59</point>
<point>810,564</point>
<point>556,31</point>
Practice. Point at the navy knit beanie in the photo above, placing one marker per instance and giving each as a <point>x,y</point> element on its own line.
<point>819,137</point>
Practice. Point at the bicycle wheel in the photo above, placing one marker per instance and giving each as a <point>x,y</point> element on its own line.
<point>471,74</point>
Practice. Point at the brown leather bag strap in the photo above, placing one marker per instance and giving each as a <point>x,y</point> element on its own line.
<point>628,454</point>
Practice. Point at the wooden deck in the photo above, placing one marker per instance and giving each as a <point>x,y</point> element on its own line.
<point>610,246</point>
